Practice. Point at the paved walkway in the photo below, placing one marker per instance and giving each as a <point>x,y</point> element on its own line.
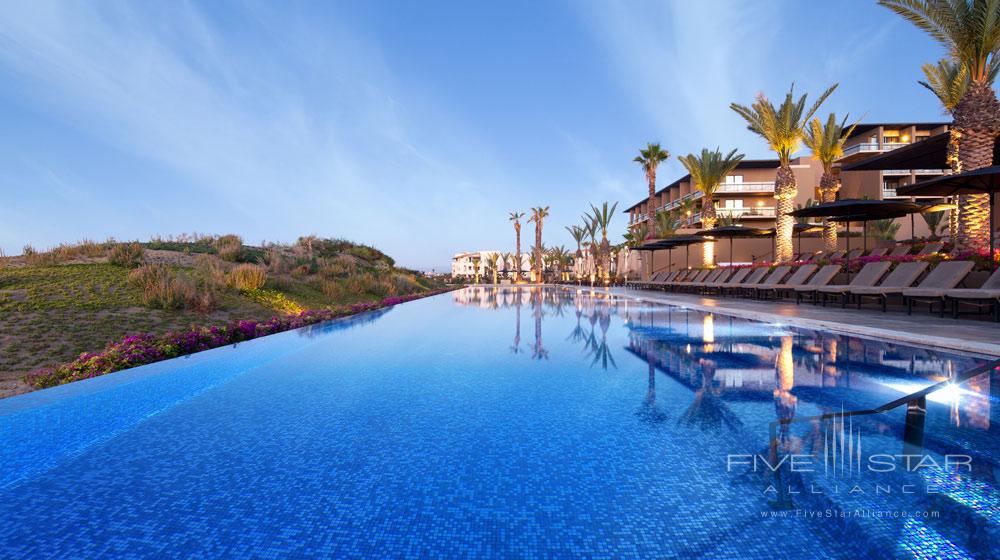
<point>921,328</point>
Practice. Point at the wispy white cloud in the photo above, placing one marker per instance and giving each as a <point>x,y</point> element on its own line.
<point>305,133</point>
<point>685,62</point>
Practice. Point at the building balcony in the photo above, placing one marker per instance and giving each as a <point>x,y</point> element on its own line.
<point>865,149</point>
<point>895,172</point>
<point>932,171</point>
<point>753,212</point>
<point>762,187</point>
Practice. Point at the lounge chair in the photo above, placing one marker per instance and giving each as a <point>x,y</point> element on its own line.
<point>931,248</point>
<point>869,275</point>
<point>899,251</point>
<point>933,288</point>
<point>797,278</point>
<point>855,253</point>
<point>987,295</point>
<point>879,252</point>
<point>724,274</point>
<point>661,278</point>
<point>753,278</point>
<point>710,277</point>
<point>820,279</point>
<point>836,255</point>
<point>901,278</point>
<point>698,277</point>
<point>738,276</point>
<point>774,277</point>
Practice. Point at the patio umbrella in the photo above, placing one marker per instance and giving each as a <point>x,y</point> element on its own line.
<point>980,181</point>
<point>733,232</point>
<point>858,210</point>
<point>669,244</point>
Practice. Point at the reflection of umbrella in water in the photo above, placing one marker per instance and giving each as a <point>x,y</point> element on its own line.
<point>980,181</point>
<point>733,232</point>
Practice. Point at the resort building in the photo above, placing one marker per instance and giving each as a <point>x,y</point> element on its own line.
<point>747,194</point>
<point>466,264</point>
<point>869,140</point>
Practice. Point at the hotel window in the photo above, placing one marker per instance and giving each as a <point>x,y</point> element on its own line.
<point>731,179</point>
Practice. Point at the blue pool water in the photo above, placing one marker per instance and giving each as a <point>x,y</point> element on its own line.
<point>511,422</point>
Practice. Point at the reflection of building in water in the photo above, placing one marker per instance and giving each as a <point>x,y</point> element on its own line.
<point>763,358</point>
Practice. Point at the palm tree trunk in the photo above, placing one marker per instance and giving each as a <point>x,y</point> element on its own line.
<point>708,221</point>
<point>651,218</point>
<point>829,184</point>
<point>784,194</point>
<point>517,232</point>
<point>977,121</point>
<point>955,163</point>
<point>538,251</point>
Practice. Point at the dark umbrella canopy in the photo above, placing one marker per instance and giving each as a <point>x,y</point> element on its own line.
<point>733,232</point>
<point>980,181</point>
<point>931,153</point>
<point>858,209</point>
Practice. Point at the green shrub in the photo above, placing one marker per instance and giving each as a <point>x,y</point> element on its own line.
<point>128,255</point>
<point>230,247</point>
<point>247,277</point>
<point>209,272</point>
<point>160,287</point>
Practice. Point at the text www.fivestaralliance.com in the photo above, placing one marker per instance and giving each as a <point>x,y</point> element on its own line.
<point>853,513</point>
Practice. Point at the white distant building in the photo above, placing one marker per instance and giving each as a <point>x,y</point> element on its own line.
<point>464,264</point>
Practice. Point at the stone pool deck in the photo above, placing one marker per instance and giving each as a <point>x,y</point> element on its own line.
<point>978,335</point>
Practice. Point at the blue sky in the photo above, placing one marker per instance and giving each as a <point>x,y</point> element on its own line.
<point>413,126</point>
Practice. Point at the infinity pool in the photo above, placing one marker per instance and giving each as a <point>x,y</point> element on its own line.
<point>504,423</point>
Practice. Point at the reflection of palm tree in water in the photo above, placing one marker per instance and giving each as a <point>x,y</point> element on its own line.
<point>707,410</point>
<point>650,412</point>
<point>516,347</point>
<point>784,401</point>
<point>538,351</point>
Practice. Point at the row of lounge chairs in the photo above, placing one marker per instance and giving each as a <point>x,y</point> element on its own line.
<point>875,282</point>
<point>897,251</point>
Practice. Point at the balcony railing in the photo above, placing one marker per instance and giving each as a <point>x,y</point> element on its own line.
<point>895,172</point>
<point>872,147</point>
<point>746,187</point>
<point>743,213</point>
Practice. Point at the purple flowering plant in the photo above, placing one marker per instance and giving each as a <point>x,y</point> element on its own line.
<point>145,348</point>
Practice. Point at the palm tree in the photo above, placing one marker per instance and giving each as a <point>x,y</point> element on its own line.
<point>970,32</point>
<point>538,215</point>
<point>493,262</point>
<point>637,235</point>
<point>650,158</point>
<point>948,82</point>
<point>883,229</point>
<point>476,259</point>
<point>602,217</point>
<point>508,259</point>
<point>782,127</point>
<point>686,209</point>
<point>827,145</point>
<point>707,172</point>
<point>933,221</point>
<point>590,230</point>
<point>516,218</point>
<point>576,232</point>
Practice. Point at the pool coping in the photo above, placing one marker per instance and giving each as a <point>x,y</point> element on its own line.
<point>888,335</point>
